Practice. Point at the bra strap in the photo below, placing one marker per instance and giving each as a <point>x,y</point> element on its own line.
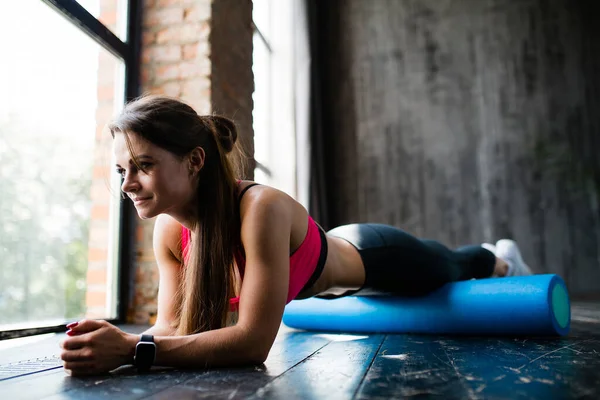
<point>245,189</point>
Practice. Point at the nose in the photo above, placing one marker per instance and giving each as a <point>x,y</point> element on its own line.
<point>130,183</point>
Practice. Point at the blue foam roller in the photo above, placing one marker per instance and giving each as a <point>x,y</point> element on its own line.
<point>524,305</point>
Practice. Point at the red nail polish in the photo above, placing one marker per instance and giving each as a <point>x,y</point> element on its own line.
<point>72,325</point>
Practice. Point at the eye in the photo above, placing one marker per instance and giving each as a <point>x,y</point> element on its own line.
<point>145,166</point>
<point>120,171</point>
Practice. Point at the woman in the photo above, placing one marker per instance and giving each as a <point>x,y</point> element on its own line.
<point>231,254</point>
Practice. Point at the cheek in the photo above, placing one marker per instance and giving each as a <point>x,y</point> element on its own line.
<point>176,186</point>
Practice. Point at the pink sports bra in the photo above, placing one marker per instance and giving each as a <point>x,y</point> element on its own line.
<point>306,262</point>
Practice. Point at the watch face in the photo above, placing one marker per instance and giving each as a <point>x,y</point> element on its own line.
<point>144,354</point>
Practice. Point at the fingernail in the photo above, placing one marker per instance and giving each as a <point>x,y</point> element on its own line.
<point>72,325</point>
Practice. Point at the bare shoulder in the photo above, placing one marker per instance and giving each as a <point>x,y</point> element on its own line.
<point>265,210</point>
<point>167,237</point>
<point>264,199</point>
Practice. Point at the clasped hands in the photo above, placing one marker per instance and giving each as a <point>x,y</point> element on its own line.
<point>96,347</point>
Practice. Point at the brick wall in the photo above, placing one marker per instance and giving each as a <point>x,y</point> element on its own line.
<point>98,245</point>
<point>201,52</point>
<point>176,50</point>
<point>231,66</point>
<point>99,292</point>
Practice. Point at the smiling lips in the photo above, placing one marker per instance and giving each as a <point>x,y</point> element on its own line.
<point>138,200</point>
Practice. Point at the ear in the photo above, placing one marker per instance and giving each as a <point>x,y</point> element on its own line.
<point>196,160</point>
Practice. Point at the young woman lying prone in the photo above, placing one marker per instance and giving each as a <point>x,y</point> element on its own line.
<point>232,253</point>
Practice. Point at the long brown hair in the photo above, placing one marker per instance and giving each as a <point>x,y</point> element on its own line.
<point>207,280</point>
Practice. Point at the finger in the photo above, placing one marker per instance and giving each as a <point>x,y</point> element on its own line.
<point>86,325</point>
<point>84,354</point>
<point>70,328</point>
<point>79,368</point>
<point>72,324</point>
<point>74,343</point>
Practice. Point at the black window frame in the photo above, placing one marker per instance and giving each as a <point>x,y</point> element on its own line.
<point>129,52</point>
<point>256,31</point>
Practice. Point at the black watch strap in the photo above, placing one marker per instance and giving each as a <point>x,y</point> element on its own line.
<point>147,338</point>
<point>145,353</point>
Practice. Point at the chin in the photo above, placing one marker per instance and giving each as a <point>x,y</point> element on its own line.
<point>146,213</point>
<point>143,215</point>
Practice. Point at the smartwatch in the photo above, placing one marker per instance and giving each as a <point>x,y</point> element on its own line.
<point>145,353</point>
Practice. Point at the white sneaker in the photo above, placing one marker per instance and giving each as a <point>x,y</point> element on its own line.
<point>508,251</point>
<point>489,246</point>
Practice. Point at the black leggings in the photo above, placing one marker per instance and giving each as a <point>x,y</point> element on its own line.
<point>398,263</point>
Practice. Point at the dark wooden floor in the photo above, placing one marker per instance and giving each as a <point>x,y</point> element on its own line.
<point>306,365</point>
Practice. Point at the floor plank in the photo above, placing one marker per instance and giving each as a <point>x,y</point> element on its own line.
<point>471,367</point>
<point>127,384</point>
<point>289,350</point>
<point>310,365</point>
<point>334,372</point>
<point>528,369</point>
<point>412,365</point>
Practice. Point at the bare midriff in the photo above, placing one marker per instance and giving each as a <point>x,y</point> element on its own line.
<point>343,270</point>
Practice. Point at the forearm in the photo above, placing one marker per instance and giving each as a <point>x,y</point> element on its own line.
<point>160,330</point>
<point>229,346</point>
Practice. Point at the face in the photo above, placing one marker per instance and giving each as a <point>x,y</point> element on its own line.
<point>163,185</point>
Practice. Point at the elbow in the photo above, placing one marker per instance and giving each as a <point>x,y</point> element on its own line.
<point>257,353</point>
<point>257,349</point>
<point>258,358</point>
<point>256,343</point>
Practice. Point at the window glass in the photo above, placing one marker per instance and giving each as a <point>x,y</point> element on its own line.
<point>261,12</point>
<point>261,99</point>
<point>58,89</point>
<point>112,13</point>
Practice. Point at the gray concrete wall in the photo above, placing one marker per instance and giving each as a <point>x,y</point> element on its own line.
<point>468,121</point>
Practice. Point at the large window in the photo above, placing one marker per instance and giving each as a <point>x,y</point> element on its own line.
<point>261,67</point>
<point>273,115</point>
<point>111,13</point>
<point>62,77</point>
